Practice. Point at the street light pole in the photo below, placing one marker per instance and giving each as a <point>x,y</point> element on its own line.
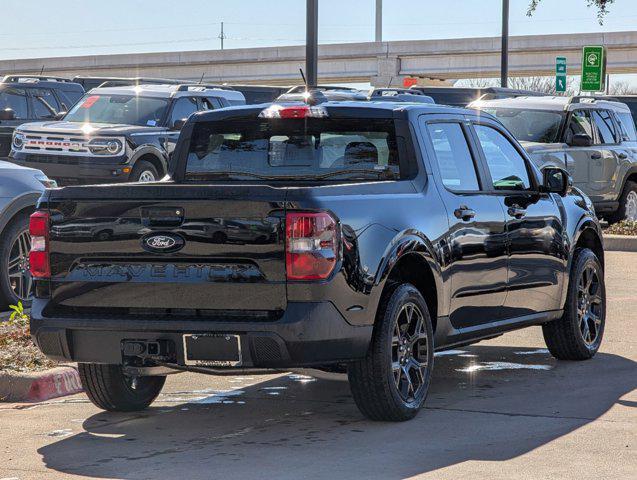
<point>311,45</point>
<point>379,21</point>
<point>504,60</point>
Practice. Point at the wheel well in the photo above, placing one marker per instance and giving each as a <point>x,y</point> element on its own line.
<point>26,211</point>
<point>156,162</point>
<point>412,268</point>
<point>590,239</point>
<point>631,178</point>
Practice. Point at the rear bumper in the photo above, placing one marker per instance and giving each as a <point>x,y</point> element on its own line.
<point>75,170</point>
<point>307,334</point>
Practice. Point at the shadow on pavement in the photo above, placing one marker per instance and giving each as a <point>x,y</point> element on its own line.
<point>486,403</point>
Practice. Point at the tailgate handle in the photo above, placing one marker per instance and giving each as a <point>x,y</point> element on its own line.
<point>162,216</point>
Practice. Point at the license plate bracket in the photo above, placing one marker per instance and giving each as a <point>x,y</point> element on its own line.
<point>212,350</point>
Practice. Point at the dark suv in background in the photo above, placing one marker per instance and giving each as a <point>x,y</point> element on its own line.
<point>463,96</point>
<point>29,98</point>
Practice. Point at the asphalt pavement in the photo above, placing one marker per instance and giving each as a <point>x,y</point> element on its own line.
<point>501,409</point>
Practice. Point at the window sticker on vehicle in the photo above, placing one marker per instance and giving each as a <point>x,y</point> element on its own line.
<point>151,123</point>
<point>88,103</point>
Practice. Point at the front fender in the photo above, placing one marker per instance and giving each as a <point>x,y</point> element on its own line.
<point>148,149</point>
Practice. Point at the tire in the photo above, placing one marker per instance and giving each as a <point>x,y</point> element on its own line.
<point>143,171</point>
<point>572,337</point>
<point>109,389</point>
<point>13,290</point>
<point>627,204</point>
<point>375,380</point>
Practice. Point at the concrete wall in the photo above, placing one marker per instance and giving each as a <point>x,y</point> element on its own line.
<point>380,63</point>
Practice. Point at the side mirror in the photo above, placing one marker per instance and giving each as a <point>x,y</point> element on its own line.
<point>556,180</point>
<point>59,115</point>
<point>581,140</point>
<point>179,124</point>
<point>7,114</point>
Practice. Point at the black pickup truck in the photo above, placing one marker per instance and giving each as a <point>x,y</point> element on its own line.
<point>343,236</point>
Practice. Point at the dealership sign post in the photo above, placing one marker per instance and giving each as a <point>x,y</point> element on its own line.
<point>593,69</point>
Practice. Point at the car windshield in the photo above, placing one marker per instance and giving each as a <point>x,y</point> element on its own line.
<point>530,125</point>
<point>294,149</point>
<point>119,109</point>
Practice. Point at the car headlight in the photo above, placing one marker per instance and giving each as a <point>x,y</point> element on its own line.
<point>105,146</point>
<point>18,140</point>
<point>46,181</point>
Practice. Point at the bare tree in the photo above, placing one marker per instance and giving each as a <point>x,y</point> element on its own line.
<point>601,5</point>
<point>534,84</point>
<point>622,88</point>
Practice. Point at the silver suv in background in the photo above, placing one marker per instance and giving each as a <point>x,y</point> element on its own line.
<point>20,188</point>
<point>593,139</point>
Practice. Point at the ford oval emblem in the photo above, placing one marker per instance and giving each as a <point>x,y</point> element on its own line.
<point>163,242</point>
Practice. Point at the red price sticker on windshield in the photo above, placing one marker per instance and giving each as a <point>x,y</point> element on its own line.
<point>88,103</point>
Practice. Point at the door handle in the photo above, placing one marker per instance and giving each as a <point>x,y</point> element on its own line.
<point>162,216</point>
<point>464,213</point>
<point>596,156</point>
<point>622,155</point>
<point>516,212</point>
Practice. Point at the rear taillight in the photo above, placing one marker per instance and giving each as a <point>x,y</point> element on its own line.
<point>39,264</point>
<point>294,111</point>
<point>312,245</point>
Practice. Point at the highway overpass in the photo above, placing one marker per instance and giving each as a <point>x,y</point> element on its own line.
<point>378,62</point>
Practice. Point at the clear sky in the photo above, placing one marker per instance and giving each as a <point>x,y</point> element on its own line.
<point>44,28</point>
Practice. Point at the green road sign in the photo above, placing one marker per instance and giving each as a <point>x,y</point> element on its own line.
<point>593,69</point>
<point>560,74</point>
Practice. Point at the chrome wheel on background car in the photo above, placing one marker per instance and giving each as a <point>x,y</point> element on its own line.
<point>590,305</point>
<point>146,176</point>
<point>630,206</point>
<point>410,346</point>
<point>20,280</point>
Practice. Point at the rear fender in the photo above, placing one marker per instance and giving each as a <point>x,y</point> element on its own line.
<point>410,242</point>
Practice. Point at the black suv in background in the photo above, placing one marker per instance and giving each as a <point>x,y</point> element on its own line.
<point>28,98</point>
<point>116,134</point>
<point>349,236</point>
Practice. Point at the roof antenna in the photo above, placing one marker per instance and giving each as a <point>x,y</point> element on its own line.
<point>303,77</point>
<point>42,70</point>
<point>391,79</point>
<point>202,75</point>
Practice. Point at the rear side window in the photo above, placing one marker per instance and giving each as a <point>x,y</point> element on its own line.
<point>182,109</point>
<point>604,126</point>
<point>453,156</point>
<point>627,126</point>
<point>312,148</point>
<point>16,100</point>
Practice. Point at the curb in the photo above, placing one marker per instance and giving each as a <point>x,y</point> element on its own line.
<point>620,243</point>
<point>37,387</point>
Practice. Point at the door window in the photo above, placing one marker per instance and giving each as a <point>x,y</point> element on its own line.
<point>183,108</point>
<point>579,124</point>
<point>45,104</point>
<point>210,103</point>
<point>16,100</point>
<point>453,156</point>
<point>604,126</point>
<point>506,165</point>
<point>627,126</point>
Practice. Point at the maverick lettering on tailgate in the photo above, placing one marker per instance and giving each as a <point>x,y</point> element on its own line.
<point>165,272</point>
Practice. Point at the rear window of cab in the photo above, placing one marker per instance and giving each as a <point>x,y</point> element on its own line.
<point>294,149</point>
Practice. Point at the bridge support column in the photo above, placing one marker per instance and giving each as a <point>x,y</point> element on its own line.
<point>388,73</point>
